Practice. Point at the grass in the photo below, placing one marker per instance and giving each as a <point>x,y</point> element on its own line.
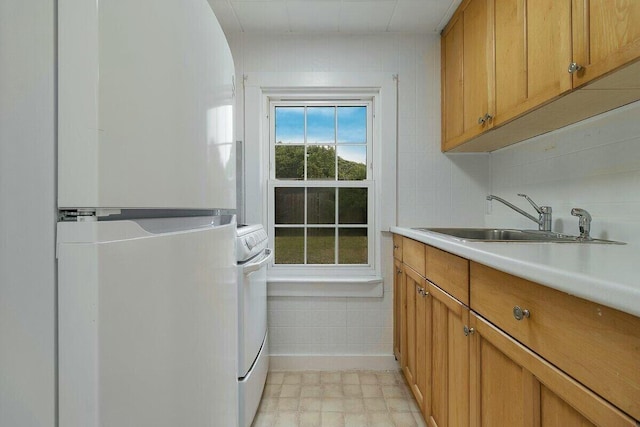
<point>289,249</point>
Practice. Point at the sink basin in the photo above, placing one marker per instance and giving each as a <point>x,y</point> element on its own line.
<point>510,235</point>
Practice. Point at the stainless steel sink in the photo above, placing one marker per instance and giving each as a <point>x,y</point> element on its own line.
<point>511,235</point>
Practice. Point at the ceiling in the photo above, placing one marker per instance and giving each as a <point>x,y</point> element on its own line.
<point>344,16</point>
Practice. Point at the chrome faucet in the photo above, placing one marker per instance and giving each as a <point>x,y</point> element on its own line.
<point>584,222</point>
<point>544,212</point>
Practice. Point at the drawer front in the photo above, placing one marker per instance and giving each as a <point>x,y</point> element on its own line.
<point>413,254</point>
<point>449,272</point>
<point>597,345</point>
<point>397,247</point>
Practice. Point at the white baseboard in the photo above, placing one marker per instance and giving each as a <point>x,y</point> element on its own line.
<point>311,362</point>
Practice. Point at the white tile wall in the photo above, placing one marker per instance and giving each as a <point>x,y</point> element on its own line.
<point>433,189</point>
<point>594,164</point>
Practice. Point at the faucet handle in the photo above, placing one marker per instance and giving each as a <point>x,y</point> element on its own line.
<point>540,210</point>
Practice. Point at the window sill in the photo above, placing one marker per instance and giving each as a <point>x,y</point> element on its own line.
<point>359,287</point>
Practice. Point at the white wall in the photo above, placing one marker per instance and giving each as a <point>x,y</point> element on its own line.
<point>433,189</point>
<point>594,164</point>
<point>27,213</point>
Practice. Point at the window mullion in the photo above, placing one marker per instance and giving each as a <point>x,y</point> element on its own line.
<point>336,222</point>
<point>305,225</point>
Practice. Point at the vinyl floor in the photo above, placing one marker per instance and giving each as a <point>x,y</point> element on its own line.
<point>337,399</point>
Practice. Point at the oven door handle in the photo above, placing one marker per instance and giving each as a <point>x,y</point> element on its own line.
<point>254,266</point>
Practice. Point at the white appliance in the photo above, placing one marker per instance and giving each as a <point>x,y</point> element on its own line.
<point>147,306</point>
<point>253,256</point>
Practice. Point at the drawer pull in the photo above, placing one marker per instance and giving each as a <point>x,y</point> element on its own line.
<point>519,313</point>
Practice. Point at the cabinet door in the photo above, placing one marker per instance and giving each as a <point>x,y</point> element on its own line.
<point>452,84</point>
<point>513,386</point>
<point>397,308</point>
<point>408,339</point>
<point>467,73</point>
<point>478,68</point>
<point>422,386</point>
<point>606,35</point>
<point>533,50</point>
<point>449,400</point>
<point>415,364</point>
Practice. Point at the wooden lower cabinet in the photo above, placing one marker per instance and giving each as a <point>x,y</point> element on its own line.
<point>413,356</point>
<point>421,386</point>
<point>475,368</point>
<point>512,386</point>
<point>408,339</point>
<point>449,392</point>
<point>397,308</point>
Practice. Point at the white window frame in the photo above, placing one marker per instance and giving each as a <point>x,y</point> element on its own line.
<point>326,270</point>
<point>343,280</point>
<point>253,129</point>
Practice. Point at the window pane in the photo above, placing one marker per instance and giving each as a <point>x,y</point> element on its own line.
<point>289,205</point>
<point>352,162</point>
<point>289,125</point>
<point>321,246</point>
<point>352,246</point>
<point>352,205</point>
<point>289,246</point>
<point>289,162</point>
<point>352,124</point>
<point>321,205</point>
<point>321,125</point>
<point>321,162</point>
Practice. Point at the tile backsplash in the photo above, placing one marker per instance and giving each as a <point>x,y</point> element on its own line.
<point>594,164</point>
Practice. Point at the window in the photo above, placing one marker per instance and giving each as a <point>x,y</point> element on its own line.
<point>321,188</point>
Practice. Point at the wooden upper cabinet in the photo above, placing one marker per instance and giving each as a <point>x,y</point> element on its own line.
<point>533,49</point>
<point>606,36</point>
<point>478,66</point>
<point>452,85</point>
<point>467,73</point>
<point>506,67</point>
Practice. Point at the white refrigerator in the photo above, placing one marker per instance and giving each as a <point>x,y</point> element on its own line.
<point>146,232</point>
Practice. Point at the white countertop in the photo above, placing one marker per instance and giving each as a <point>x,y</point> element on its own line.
<point>605,274</point>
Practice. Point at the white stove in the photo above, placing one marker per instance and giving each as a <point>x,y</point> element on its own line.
<point>253,256</point>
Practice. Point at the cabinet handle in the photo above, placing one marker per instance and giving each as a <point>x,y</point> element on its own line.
<point>468,331</point>
<point>399,271</point>
<point>484,119</point>
<point>573,67</point>
<point>422,291</point>
<point>396,247</point>
<point>520,313</point>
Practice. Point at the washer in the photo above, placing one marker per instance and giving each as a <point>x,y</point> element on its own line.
<point>253,256</point>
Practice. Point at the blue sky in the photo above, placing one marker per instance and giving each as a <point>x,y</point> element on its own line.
<point>352,128</point>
